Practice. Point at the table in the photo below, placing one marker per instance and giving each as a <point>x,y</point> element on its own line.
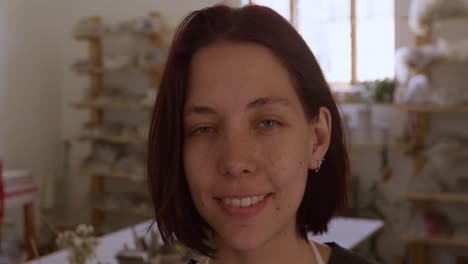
<point>347,232</point>
<point>23,197</point>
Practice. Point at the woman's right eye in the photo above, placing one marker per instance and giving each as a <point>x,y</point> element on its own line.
<point>204,130</point>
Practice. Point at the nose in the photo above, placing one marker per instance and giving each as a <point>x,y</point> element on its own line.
<point>236,157</point>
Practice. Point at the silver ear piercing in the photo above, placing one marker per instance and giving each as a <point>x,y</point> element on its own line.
<point>319,165</point>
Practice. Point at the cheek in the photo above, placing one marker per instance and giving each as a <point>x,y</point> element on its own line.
<point>288,169</point>
<point>288,164</point>
<point>198,178</point>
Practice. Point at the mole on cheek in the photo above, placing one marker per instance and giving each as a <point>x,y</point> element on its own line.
<point>277,208</point>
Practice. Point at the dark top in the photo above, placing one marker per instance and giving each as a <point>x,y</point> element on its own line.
<point>338,255</point>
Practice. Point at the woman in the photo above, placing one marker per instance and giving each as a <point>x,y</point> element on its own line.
<point>246,149</point>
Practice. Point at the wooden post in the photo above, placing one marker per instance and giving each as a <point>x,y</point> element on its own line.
<point>420,253</point>
<point>422,127</point>
<point>422,120</point>
<point>29,229</point>
<point>353,43</point>
<point>155,78</point>
<point>156,38</point>
<point>96,114</point>
<point>95,54</point>
<point>97,186</point>
<point>293,12</point>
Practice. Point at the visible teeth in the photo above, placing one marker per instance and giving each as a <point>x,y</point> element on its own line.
<point>243,202</point>
<point>254,200</point>
<point>236,202</point>
<point>227,201</point>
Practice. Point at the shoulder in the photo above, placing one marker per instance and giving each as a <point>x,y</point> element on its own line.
<point>341,255</point>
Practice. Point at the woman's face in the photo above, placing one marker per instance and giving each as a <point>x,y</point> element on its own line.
<point>248,144</point>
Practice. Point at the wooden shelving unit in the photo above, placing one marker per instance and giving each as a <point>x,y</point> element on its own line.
<point>98,106</point>
<point>101,104</point>
<point>126,211</point>
<point>420,245</point>
<point>91,36</point>
<point>435,108</point>
<point>103,70</point>
<point>461,198</point>
<point>423,108</point>
<point>435,241</point>
<point>367,104</point>
<point>372,145</point>
<point>112,173</point>
<point>128,140</point>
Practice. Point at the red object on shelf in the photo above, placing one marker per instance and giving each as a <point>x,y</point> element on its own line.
<point>2,193</point>
<point>437,223</point>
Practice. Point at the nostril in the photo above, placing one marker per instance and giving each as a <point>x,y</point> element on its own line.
<point>237,170</point>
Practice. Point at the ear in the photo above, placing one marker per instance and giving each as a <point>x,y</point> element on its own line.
<point>320,134</point>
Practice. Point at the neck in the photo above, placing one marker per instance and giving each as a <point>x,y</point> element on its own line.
<point>292,249</point>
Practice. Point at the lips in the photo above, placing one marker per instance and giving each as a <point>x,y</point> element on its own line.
<point>245,206</point>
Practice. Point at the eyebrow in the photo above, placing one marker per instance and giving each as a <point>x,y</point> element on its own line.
<point>257,103</point>
<point>266,101</point>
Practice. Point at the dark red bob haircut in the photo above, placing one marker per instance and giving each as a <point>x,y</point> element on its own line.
<point>175,213</point>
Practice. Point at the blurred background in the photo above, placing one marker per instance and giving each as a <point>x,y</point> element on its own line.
<point>78,80</point>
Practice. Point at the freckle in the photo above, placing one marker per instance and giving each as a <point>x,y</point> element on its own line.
<point>277,208</point>
<point>271,160</point>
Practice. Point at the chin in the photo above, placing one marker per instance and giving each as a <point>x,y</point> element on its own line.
<point>244,240</point>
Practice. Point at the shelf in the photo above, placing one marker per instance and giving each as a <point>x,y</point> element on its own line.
<point>129,105</point>
<point>438,197</point>
<point>115,174</point>
<point>374,145</point>
<point>453,18</point>
<point>367,104</point>
<point>93,36</point>
<point>435,241</point>
<point>102,70</point>
<point>436,108</point>
<point>133,140</point>
<point>425,108</point>
<point>123,211</point>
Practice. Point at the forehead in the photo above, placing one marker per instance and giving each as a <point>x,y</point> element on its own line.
<point>237,69</point>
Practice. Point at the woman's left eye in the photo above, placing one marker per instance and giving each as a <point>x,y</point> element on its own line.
<point>269,123</point>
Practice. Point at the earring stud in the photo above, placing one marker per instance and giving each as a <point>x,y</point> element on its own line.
<point>320,162</point>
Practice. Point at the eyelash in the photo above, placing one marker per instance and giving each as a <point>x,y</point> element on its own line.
<point>262,124</point>
<point>197,130</point>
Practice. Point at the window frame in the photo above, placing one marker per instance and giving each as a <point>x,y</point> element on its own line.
<point>353,42</point>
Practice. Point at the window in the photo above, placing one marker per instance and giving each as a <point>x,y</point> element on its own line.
<point>353,40</point>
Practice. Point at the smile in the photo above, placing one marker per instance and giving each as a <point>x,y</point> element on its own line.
<point>245,206</point>
<point>243,202</point>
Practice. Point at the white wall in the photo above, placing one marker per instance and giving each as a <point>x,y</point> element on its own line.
<point>3,109</point>
<point>30,93</point>
<point>29,84</point>
<point>29,87</point>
